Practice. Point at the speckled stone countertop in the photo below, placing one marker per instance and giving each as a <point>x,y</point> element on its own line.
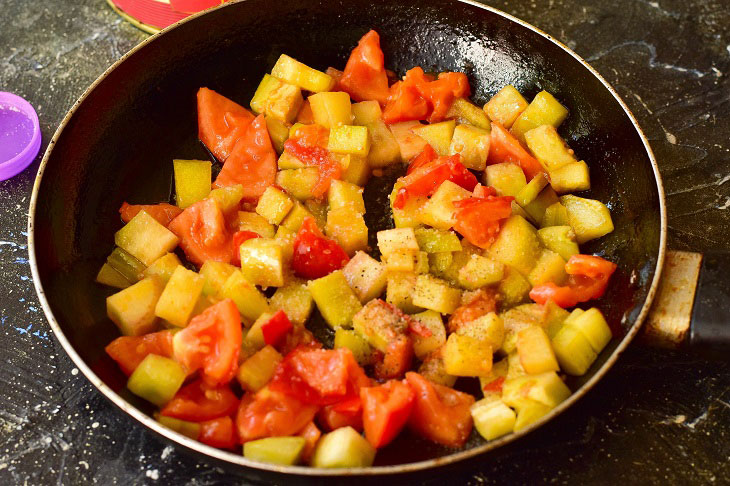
<point>657,418</point>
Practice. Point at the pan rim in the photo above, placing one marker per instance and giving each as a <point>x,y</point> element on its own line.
<point>239,460</point>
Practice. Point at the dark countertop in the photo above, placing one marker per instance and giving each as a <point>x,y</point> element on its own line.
<point>658,417</point>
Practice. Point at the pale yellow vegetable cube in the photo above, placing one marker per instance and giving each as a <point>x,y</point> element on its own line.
<point>331,109</point>
<point>506,178</point>
<point>366,112</point>
<point>296,217</point>
<point>593,326</point>
<point>292,71</point>
<point>215,274</point>
<point>250,301</point>
<point>256,371</point>
<point>347,227</point>
<point>133,309</point>
<point>472,144</point>
<point>467,356</point>
<point>544,110</point>
<point>530,413</point>
<point>513,288</point>
<point>489,327</point>
<point>546,388</point>
<point>425,345</point>
<point>409,142</point>
<point>384,149</point>
<point>549,148</point>
<point>532,190</point>
<point>438,135</point>
<point>178,300</point>
<point>571,177</point>
<point>335,299</point>
<point>109,276</point>
<point>400,290</point>
<point>228,198</point>
<point>163,267</point>
<point>560,239</point>
<point>145,238</point>
<point>506,106</point>
<point>192,181</point>
<point>277,99</point>
<point>480,271</point>
<point>278,132</point>
<point>343,194</point>
<point>295,299</point>
<point>298,183</point>
<point>366,276</point>
<point>274,205</point>
<point>536,352</point>
<point>358,170</point>
<point>492,418</point>
<point>464,111</point>
<point>573,350</point>
<point>400,261</point>
<point>349,139</point>
<point>550,267</point>
<point>289,161</point>
<point>590,219</point>
<point>262,262</point>
<point>393,240</point>
<point>436,294</point>
<point>438,212</point>
<point>555,215</point>
<point>248,221</point>
<point>516,245</point>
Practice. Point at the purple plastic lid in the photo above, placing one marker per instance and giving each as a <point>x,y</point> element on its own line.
<point>20,135</point>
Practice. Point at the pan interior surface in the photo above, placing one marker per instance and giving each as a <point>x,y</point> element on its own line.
<point>119,142</point>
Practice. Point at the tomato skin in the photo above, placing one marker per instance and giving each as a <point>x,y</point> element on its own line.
<point>504,147</point>
<point>252,162</point>
<point>129,351</point>
<point>396,360</point>
<point>426,179</point>
<point>298,336</point>
<point>276,328</point>
<point>221,122</point>
<point>588,277</point>
<point>311,435</point>
<point>314,255</point>
<point>386,409</point>
<point>316,156</point>
<point>440,414</point>
<point>427,155</point>
<point>271,414</point>
<point>478,219</point>
<point>163,212</point>
<point>405,103</point>
<point>364,77</point>
<point>494,385</point>
<point>198,401</point>
<point>342,414</point>
<point>211,342</point>
<point>219,433</point>
<point>203,233</point>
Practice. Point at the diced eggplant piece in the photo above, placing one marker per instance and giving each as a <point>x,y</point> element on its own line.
<point>492,418</point>
<point>593,326</point>
<point>108,276</point>
<point>384,148</point>
<point>380,323</point>
<point>367,276</point>
<point>549,148</point>
<point>163,267</point>
<point>536,352</point>
<point>349,139</point>
<point>343,447</point>
<point>590,219</point>
<point>257,370</point>
<point>133,309</point>
<point>544,110</point>
<point>550,267</point>
<point>432,240</point>
<point>506,178</point>
<point>299,183</point>
<point>292,71</point>
<point>249,221</point>
<point>555,215</point>
<point>366,112</point>
<point>285,451</point>
<point>295,300</point>
<point>156,379</point>
<point>124,263</point>
<point>530,413</point>
<point>296,217</point>
<point>145,238</point>
<point>425,345</point>
<point>560,239</point>
<point>358,170</point>
<point>433,369</point>
<point>506,106</point>
<point>343,194</point>
<point>436,294</point>
<point>178,300</point>
<point>228,198</point>
<point>464,111</point>
<point>192,181</point>
<point>251,303</point>
<point>479,272</point>
<point>409,142</point>
<point>331,109</point>
<point>571,177</point>
<point>399,291</point>
<point>438,135</point>
<point>215,275</point>
<point>467,356</point>
<point>472,144</point>
<point>516,245</point>
<point>335,299</point>
<point>489,328</point>
<point>439,210</point>
<point>398,239</point>
<point>357,343</point>
<point>274,205</point>
<point>278,131</point>
<point>347,227</point>
<point>573,350</point>
<point>513,288</point>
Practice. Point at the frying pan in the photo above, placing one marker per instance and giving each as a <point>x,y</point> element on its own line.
<point>117,141</point>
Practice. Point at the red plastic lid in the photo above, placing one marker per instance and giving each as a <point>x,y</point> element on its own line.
<point>20,135</point>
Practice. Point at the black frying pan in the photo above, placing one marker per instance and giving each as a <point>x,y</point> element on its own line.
<point>118,140</point>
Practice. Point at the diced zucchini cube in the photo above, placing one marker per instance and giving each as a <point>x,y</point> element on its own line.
<point>467,356</point>
<point>156,379</point>
<point>506,178</point>
<point>286,451</point>
<point>278,131</point>
<point>399,291</point>
<point>133,309</point>
<point>536,209</point>
<point>228,198</point>
<point>188,429</point>
<point>262,262</point>
<point>536,352</point>
<point>425,345</point>
<point>249,221</point>
<point>366,112</point>
<point>533,189</point>
<point>590,219</point>
<point>432,240</point>
<point>492,419</point>
<point>343,447</point>
<point>550,267</point>
<point>343,194</point>
<point>298,182</point>
<point>357,343</point>
<point>439,211</point>
<point>409,142</point>
<point>277,99</point>
<point>108,276</point>
<point>331,109</point>
<point>546,388</point>
<point>555,215</point>
<point>124,263</point>
<point>432,368</point>
<point>573,350</point>
<point>178,300</point>
<point>379,323</point>
<point>250,301</point>
<point>436,294</point>
<point>407,217</point>
<point>499,370</point>
<point>366,276</point>
<point>274,205</point>
<point>393,240</point>
<point>571,177</point>
<point>347,227</point>
<point>349,139</point>
<point>472,144</point>
<point>289,161</point>
<point>560,239</point>
<point>514,366</point>
<point>400,261</point>
<point>292,71</point>
<point>439,263</point>
<point>593,326</point>
<point>215,274</point>
<point>464,111</point>
<point>549,148</point>
<point>438,135</point>
<point>530,413</point>
<point>479,272</point>
<point>335,299</point>
<point>256,371</point>
<point>295,300</point>
<point>513,288</point>
<point>254,338</point>
<point>489,328</point>
<point>421,262</point>
<point>384,148</point>
<point>286,238</point>
<point>145,238</point>
<point>192,181</point>
<point>506,106</point>
<point>516,245</point>
<point>163,267</point>
<point>296,217</point>
<point>267,85</point>
<point>358,170</point>
<point>544,110</point>
<point>555,317</point>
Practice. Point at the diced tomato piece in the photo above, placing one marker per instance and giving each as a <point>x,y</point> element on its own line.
<point>396,359</point>
<point>276,328</point>
<point>129,351</point>
<point>298,336</point>
<point>504,147</point>
<point>311,135</point>
<point>314,255</point>
<point>335,74</point>
<point>252,162</point>
<point>441,93</point>
<point>478,219</point>
<point>219,433</point>
<point>427,155</point>
<point>405,103</point>
<point>425,180</point>
<point>484,191</point>
<point>364,77</point>
<point>203,233</point>
<point>341,414</point>
<point>271,414</point>
<point>386,409</point>
<point>440,413</point>
<point>316,156</point>
<point>588,277</point>
<point>311,435</point>
<point>494,385</point>
<point>221,122</point>
<point>479,303</point>
<point>163,212</point>
<point>238,238</point>
<point>198,401</point>
<point>319,376</point>
<point>211,342</point>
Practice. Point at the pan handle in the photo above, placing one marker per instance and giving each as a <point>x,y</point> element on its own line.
<point>692,307</point>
